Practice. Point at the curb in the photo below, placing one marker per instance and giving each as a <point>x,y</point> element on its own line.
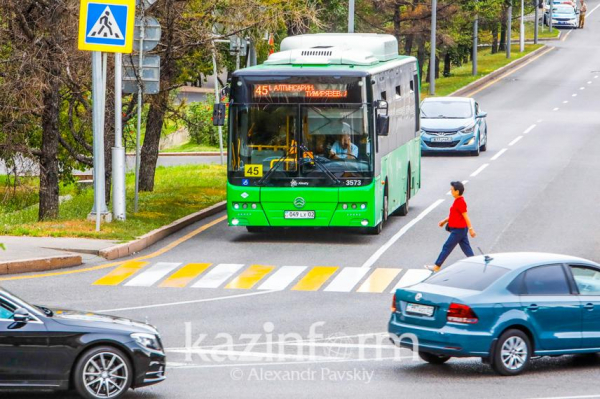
<point>148,239</point>
<point>40,264</point>
<point>497,74</point>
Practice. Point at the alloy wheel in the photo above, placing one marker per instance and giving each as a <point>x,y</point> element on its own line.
<point>105,375</point>
<point>514,353</point>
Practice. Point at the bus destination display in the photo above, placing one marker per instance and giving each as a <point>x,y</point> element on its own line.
<point>301,90</point>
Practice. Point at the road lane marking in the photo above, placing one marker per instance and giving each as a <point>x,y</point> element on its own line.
<point>555,109</point>
<point>539,120</point>
<point>379,280</point>
<point>499,154</point>
<point>582,88</point>
<point>530,128</point>
<point>544,52</point>
<point>596,77</point>
<point>371,261</point>
<point>565,36</point>
<point>282,278</point>
<point>121,273</point>
<point>565,102</point>
<point>595,8</point>
<point>481,168</point>
<point>182,277</point>
<point>315,278</point>
<point>347,279</point>
<point>152,275</point>
<point>589,82</point>
<point>412,276</point>
<point>573,397</point>
<point>250,277</point>
<point>515,141</point>
<point>574,95</point>
<point>162,305</point>
<point>217,276</point>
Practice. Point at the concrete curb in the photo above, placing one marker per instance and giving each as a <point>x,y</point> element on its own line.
<point>128,248</point>
<point>497,73</point>
<point>40,264</point>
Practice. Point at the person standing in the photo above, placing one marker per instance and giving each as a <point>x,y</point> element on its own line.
<point>459,226</point>
<point>582,11</point>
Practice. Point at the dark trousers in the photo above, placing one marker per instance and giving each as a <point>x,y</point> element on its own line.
<point>457,237</point>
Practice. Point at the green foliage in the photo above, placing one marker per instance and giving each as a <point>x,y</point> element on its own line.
<point>199,123</point>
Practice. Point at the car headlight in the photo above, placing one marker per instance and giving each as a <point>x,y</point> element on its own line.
<point>468,130</point>
<point>147,341</point>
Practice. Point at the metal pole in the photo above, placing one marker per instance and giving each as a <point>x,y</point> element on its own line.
<point>139,111</point>
<point>351,16</point>
<point>239,49</point>
<point>509,30</point>
<point>551,15</point>
<point>118,151</point>
<point>522,28</point>
<point>217,99</point>
<point>98,128</point>
<point>475,37</point>
<point>432,46</point>
<point>535,25</point>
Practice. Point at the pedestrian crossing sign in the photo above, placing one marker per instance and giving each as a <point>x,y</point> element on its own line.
<point>107,25</point>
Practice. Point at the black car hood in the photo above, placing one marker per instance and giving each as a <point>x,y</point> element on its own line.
<point>94,320</point>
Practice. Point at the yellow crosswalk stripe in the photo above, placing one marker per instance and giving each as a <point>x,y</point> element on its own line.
<point>185,275</point>
<point>121,273</point>
<point>315,278</point>
<point>250,277</point>
<point>379,280</point>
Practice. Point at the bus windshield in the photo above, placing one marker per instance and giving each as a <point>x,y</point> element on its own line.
<point>312,128</point>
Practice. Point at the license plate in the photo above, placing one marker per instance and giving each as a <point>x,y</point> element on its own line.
<point>441,139</point>
<point>416,308</point>
<point>299,215</point>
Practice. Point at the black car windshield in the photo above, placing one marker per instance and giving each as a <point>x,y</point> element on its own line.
<point>467,275</point>
<point>446,110</point>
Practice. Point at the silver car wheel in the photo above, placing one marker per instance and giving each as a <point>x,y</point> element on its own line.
<point>514,353</point>
<point>105,375</point>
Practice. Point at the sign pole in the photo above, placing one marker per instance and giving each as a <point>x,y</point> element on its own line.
<point>432,48</point>
<point>118,151</point>
<point>217,95</point>
<point>98,125</point>
<point>351,16</point>
<point>139,114</point>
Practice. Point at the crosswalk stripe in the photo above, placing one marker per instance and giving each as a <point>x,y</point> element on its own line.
<point>185,275</point>
<point>121,273</point>
<point>250,277</point>
<point>379,280</point>
<point>412,276</point>
<point>152,275</point>
<point>315,278</point>
<point>347,279</point>
<point>282,278</point>
<point>217,276</point>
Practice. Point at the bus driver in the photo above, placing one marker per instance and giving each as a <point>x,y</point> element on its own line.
<point>343,147</point>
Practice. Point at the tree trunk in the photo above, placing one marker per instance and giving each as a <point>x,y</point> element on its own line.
<point>421,56</point>
<point>447,62</point>
<point>109,140</point>
<point>149,156</point>
<point>502,45</point>
<point>49,158</point>
<point>437,67</point>
<point>494,38</point>
<point>408,44</point>
<point>397,21</point>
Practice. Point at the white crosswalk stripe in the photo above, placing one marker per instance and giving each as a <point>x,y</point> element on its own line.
<point>217,276</point>
<point>153,274</point>
<point>412,276</point>
<point>282,278</point>
<point>347,279</point>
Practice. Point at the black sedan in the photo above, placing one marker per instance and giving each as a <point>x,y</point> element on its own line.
<point>99,356</point>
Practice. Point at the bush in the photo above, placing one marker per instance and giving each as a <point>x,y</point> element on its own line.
<point>200,126</point>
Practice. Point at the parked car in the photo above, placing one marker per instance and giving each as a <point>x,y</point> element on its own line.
<point>453,124</point>
<point>504,308</point>
<point>100,356</point>
<point>563,15</point>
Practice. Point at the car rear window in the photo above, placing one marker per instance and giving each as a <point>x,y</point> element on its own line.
<point>467,275</point>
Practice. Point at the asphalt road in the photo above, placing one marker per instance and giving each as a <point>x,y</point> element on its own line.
<point>535,189</point>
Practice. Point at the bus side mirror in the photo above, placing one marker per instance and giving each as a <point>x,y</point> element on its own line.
<point>383,125</point>
<point>218,114</point>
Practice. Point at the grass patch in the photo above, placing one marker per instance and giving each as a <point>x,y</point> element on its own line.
<point>178,191</point>
<point>487,63</point>
<point>193,147</point>
<point>543,32</point>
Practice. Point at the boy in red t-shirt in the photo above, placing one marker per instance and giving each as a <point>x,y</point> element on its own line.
<point>459,226</point>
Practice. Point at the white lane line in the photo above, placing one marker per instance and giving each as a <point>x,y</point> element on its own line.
<point>152,275</point>
<point>582,88</point>
<point>347,279</point>
<point>217,276</point>
<point>573,397</point>
<point>515,141</point>
<point>539,120</point>
<point>555,109</point>
<point>481,168</point>
<point>371,261</point>
<point>449,193</point>
<point>530,128</point>
<point>589,82</point>
<point>499,154</point>
<point>282,278</point>
<point>595,8</point>
<point>565,102</point>
<point>412,276</point>
<point>465,181</point>
<point>161,305</point>
<point>574,95</point>
<point>596,77</point>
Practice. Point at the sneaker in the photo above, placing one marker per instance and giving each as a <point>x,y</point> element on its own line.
<point>433,268</point>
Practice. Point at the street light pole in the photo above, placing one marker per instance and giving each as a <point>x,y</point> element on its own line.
<point>432,46</point>
<point>522,28</point>
<point>551,15</point>
<point>475,33</point>
<point>535,25</point>
<point>351,16</point>
<point>509,30</point>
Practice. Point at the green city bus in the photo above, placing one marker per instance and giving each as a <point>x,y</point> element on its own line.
<point>325,133</point>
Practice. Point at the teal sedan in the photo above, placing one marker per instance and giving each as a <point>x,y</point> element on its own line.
<point>504,308</point>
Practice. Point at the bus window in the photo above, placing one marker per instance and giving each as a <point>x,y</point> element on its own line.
<point>384,95</point>
<point>398,92</point>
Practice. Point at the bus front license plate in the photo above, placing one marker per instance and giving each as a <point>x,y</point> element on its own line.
<point>299,214</point>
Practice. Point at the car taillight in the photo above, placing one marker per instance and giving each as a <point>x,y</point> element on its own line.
<point>394,303</point>
<point>458,313</point>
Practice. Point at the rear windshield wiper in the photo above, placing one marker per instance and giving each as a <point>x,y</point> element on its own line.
<point>321,166</point>
<point>266,177</point>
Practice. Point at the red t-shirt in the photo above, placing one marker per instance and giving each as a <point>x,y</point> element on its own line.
<point>456,219</point>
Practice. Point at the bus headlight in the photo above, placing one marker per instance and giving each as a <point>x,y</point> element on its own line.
<point>345,206</point>
<point>235,222</point>
<point>245,206</point>
<point>254,206</point>
<point>363,206</point>
<point>364,222</point>
<point>353,206</point>
<point>236,206</point>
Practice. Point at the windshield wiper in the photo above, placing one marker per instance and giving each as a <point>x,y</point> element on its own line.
<point>325,170</point>
<point>266,177</point>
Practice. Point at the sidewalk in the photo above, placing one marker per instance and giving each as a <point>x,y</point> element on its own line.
<point>28,254</point>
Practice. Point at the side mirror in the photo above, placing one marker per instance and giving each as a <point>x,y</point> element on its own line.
<point>21,316</point>
<point>482,115</point>
<point>383,125</point>
<point>219,114</point>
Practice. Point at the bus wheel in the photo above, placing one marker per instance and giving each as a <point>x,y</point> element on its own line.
<point>379,228</point>
<point>403,210</point>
